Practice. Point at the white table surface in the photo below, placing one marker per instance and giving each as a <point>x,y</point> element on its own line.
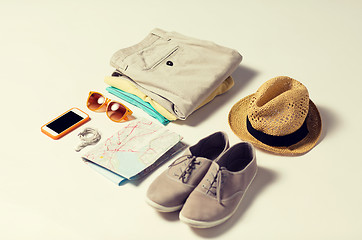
<point>52,53</point>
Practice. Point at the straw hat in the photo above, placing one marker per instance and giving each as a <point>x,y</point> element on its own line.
<point>278,118</point>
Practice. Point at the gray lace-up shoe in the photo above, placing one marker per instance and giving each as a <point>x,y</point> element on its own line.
<point>169,191</point>
<point>220,192</point>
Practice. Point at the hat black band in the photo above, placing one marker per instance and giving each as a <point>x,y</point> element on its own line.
<point>278,141</point>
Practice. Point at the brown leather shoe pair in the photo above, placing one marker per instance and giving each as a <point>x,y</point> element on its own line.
<point>207,182</point>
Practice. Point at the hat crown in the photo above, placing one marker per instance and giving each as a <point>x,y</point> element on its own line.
<point>279,107</point>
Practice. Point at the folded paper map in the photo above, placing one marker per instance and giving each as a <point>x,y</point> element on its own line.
<point>134,150</point>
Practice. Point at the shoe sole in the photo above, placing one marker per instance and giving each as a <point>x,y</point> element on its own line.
<point>204,224</point>
<point>161,208</point>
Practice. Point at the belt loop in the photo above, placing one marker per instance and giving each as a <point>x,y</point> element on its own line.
<point>121,65</point>
<point>161,33</point>
<point>124,66</point>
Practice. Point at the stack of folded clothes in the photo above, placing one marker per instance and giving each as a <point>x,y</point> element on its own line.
<point>170,75</point>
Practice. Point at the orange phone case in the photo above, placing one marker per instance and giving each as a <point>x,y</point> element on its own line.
<point>66,131</point>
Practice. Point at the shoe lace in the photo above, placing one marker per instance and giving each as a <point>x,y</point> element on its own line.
<point>187,168</point>
<point>215,184</point>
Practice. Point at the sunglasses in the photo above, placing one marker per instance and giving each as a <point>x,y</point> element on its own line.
<point>115,111</point>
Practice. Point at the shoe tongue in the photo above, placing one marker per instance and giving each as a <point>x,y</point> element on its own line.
<point>202,159</point>
<point>188,152</point>
<point>214,166</point>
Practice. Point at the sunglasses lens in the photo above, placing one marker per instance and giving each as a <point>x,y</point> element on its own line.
<point>116,111</point>
<point>95,101</point>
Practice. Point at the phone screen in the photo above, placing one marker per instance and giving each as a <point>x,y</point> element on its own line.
<point>64,122</point>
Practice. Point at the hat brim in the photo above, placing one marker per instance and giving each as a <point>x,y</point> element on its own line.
<point>237,121</point>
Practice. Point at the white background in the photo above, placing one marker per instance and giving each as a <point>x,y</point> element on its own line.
<point>52,53</point>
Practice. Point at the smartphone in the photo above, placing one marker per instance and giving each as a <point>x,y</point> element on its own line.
<point>65,123</point>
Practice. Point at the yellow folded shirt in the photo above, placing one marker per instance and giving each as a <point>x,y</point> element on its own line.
<point>127,86</point>
<point>225,86</point>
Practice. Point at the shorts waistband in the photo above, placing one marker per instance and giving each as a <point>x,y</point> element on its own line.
<point>119,56</point>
